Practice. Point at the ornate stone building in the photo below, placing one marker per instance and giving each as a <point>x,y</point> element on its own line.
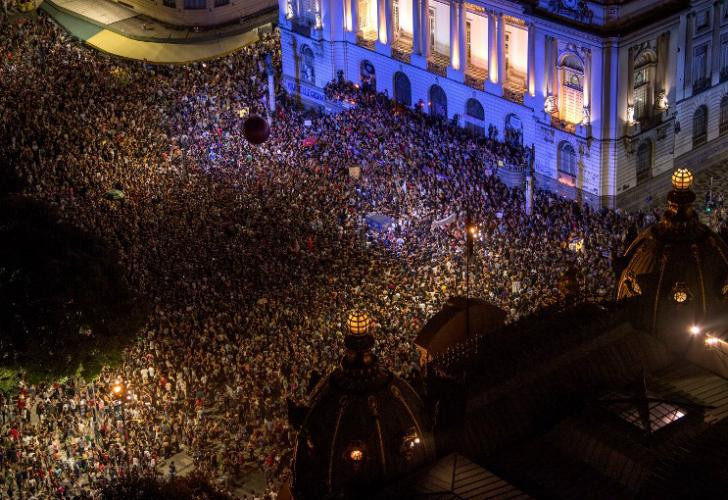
<point>609,92</point>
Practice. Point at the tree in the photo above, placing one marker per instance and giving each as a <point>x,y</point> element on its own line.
<point>64,302</point>
<point>155,488</point>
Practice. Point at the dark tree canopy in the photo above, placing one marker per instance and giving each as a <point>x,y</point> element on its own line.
<point>154,488</point>
<point>65,302</point>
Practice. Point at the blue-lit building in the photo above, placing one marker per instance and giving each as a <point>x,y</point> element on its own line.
<point>611,93</point>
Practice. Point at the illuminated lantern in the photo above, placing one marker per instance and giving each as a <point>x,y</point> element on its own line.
<point>358,323</point>
<point>680,293</point>
<point>682,179</point>
<point>256,129</point>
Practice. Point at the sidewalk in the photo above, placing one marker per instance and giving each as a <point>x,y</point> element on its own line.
<point>119,31</point>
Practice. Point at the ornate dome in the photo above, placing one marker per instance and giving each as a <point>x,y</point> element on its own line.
<point>364,428</point>
<point>677,268</point>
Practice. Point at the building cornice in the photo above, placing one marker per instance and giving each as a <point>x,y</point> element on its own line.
<point>666,10</point>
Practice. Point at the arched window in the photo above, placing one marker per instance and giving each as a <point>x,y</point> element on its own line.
<point>700,126</point>
<point>308,73</point>
<point>571,94</point>
<point>724,115</point>
<point>368,75</point>
<point>402,89</point>
<point>644,161</point>
<point>567,159</point>
<point>474,109</point>
<point>474,117</point>
<point>438,102</point>
<point>514,130</point>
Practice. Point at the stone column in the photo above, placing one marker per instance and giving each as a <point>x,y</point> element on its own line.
<point>630,86</point>
<point>454,36</point>
<point>282,11</point>
<point>383,43</point>
<point>551,56</point>
<point>389,21</point>
<point>586,88</point>
<point>322,15</point>
<point>688,83</point>
<point>715,60</point>
<point>548,51</point>
<point>630,77</point>
<point>501,49</point>
<point>416,27</point>
<point>462,42</point>
<point>425,16</point>
<point>531,73</point>
<point>663,42</point>
<point>354,13</point>
<point>492,49</point>
<point>555,65</point>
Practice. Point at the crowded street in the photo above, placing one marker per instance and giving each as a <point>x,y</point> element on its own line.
<point>250,256</point>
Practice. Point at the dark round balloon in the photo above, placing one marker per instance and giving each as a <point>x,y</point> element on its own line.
<point>256,129</point>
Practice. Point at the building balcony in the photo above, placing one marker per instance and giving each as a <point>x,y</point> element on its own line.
<point>514,92</point>
<point>402,47</point>
<point>301,26</point>
<point>475,77</point>
<point>438,63</point>
<point>560,124</point>
<point>366,39</point>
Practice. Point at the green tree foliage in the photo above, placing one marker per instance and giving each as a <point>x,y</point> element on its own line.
<point>64,302</point>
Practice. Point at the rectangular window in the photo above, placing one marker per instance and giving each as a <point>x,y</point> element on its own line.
<point>468,40</point>
<point>724,57</point>
<point>170,3</point>
<point>702,20</point>
<point>395,17</point>
<point>572,97</point>
<point>221,3</point>
<point>195,4</point>
<point>700,67</point>
<point>640,101</point>
<point>432,30</point>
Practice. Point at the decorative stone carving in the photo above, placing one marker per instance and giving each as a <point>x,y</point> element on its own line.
<point>586,116</point>
<point>576,9</point>
<point>630,114</point>
<point>549,105</point>
<point>584,147</point>
<point>661,101</point>
<point>548,134</point>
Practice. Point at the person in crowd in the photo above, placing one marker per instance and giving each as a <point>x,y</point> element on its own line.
<point>252,255</point>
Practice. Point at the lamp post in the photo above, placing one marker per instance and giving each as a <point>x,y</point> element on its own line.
<point>119,391</point>
<point>470,232</point>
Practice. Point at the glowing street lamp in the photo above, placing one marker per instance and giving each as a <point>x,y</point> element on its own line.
<point>119,391</point>
<point>712,341</point>
<point>694,330</point>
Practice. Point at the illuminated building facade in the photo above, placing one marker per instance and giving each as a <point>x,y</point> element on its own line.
<point>611,93</point>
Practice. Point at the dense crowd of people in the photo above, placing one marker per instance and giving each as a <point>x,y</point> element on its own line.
<point>252,255</point>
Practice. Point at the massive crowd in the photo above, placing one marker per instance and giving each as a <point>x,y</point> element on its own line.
<point>252,255</point>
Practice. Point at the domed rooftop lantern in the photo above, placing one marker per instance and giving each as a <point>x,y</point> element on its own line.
<point>677,269</point>
<point>364,427</point>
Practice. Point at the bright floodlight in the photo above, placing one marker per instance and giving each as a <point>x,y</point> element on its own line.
<point>695,330</point>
